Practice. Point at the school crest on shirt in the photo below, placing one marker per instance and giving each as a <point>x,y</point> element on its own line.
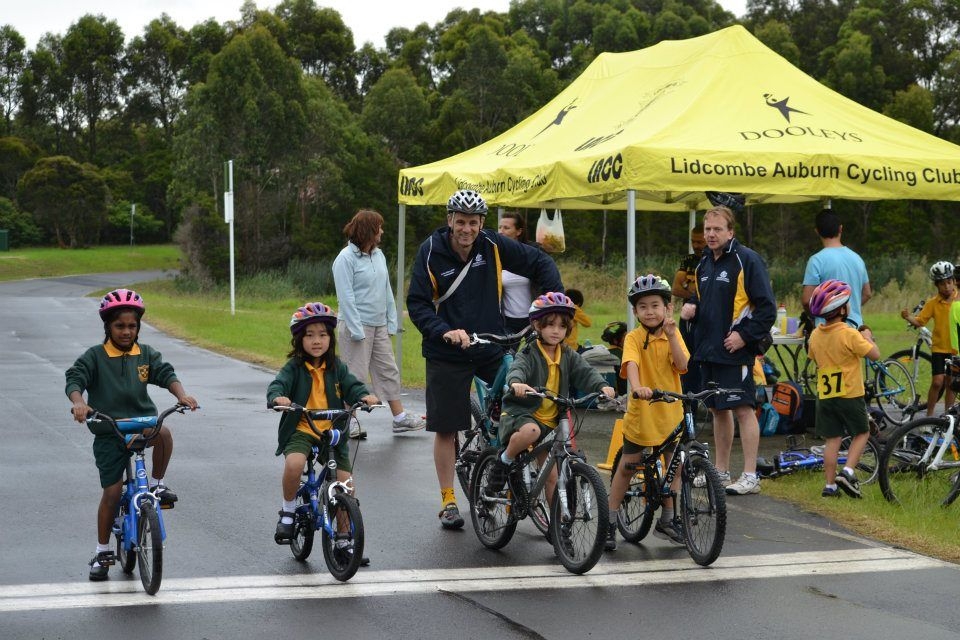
<point>143,371</point>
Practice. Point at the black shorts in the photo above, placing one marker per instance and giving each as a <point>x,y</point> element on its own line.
<point>448,392</point>
<point>938,363</point>
<point>729,376</point>
<point>838,417</point>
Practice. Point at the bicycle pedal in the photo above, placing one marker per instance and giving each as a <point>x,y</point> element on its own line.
<point>167,505</point>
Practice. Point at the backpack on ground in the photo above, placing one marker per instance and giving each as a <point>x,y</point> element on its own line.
<point>787,400</point>
<point>768,418</point>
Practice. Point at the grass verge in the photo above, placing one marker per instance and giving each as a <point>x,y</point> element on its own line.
<point>51,262</point>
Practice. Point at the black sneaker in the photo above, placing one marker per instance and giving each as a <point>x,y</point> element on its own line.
<point>497,476</point>
<point>565,540</point>
<point>671,531</point>
<point>830,492</point>
<point>450,517</point>
<point>611,542</point>
<point>849,483</point>
<point>100,565</point>
<point>165,495</point>
<point>284,532</point>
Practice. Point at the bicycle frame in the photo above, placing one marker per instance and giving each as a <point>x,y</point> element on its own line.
<point>559,450</point>
<point>316,501</point>
<point>934,461</point>
<point>137,489</point>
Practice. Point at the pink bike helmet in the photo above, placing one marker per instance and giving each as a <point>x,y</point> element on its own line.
<point>311,313</point>
<point>829,297</point>
<point>551,303</point>
<point>121,299</point>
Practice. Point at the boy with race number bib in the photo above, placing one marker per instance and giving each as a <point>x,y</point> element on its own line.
<point>837,348</point>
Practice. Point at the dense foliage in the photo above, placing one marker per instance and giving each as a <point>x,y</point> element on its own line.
<point>94,120</point>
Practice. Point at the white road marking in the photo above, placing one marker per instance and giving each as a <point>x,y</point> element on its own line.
<point>609,573</point>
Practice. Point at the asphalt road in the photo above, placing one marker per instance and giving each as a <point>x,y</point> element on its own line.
<point>783,573</point>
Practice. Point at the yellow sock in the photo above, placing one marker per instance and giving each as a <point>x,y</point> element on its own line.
<point>447,496</point>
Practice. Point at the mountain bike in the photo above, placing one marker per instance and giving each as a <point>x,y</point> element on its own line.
<point>888,384</point>
<point>138,527</point>
<point>701,506</point>
<point>324,503</point>
<point>578,514</point>
<point>920,463</point>
<point>917,360</point>
<point>798,457</point>
<point>485,408</point>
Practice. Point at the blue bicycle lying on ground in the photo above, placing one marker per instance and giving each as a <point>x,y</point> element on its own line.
<point>138,528</point>
<point>798,456</point>
<point>326,504</point>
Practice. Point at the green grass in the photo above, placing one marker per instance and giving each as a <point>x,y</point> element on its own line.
<point>46,262</point>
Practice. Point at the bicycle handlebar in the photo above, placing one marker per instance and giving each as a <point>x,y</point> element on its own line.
<point>541,392</point>
<point>661,395</point>
<point>333,415</point>
<point>504,341</point>
<point>135,427</point>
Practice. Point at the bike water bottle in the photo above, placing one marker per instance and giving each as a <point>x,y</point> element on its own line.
<point>782,319</point>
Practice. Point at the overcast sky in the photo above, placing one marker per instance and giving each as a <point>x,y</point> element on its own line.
<point>368,19</point>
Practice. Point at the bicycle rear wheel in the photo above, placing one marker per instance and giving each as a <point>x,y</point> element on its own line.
<point>492,516</point>
<point>126,557</point>
<point>703,510</point>
<point>343,551</point>
<point>635,516</point>
<point>470,443</point>
<point>905,474</point>
<point>869,464</point>
<point>920,369</point>
<point>578,541</point>
<point>150,548</point>
<point>304,527</point>
<point>896,393</point>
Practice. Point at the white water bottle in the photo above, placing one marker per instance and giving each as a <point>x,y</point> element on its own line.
<point>782,319</point>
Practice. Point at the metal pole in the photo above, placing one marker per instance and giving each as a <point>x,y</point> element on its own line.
<point>398,294</point>
<point>228,216</point>
<point>133,210</point>
<point>631,248</point>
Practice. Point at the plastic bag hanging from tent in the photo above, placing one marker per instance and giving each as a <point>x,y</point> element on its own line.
<point>550,232</point>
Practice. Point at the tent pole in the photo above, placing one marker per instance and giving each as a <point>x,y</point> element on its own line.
<point>691,224</point>
<point>401,241</point>
<point>631,248</point>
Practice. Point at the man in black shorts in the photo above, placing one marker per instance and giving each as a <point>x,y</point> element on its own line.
<point>455,291</point>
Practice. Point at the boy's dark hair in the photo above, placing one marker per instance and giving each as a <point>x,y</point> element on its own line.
<point>329,358</point>
<point>576,295</point>
<point>697,228</point>
<point>828,224</point>
<point>112,314</point>
<point>567,320</point>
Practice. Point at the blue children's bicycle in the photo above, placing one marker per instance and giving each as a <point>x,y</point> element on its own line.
<point>138,527</point>
<point>798,457</point>
<point>324,503</point>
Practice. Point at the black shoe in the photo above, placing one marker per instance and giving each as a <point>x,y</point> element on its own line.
<point>284,532</point>
<point>830,492</point>
<point>100,565</point>
<point>611,542</point>
<point>497,477</point>
<point>450,517</point>
<point>165,495</point>
<point>671,531</point>
<point>364,561</point>
<point>565,540</point>
<point>849,483</point>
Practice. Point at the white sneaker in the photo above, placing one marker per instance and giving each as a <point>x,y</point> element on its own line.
<point>743,486</point>
<point>701,480</point>
<point>409,423</point>
<point>357,433</point>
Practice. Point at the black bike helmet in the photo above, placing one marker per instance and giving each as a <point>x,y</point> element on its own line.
<point>733,201</point>
<point>614,332</point>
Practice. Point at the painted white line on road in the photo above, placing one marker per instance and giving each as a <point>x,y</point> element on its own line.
<point>416,581</point>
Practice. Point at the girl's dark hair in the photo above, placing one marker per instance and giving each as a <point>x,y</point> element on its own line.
<point>112,315</point>
<point>329,358</point>
<point>547,319</point>
<point>519,223</point>
<point>363,227</point>
<point>576,295</point>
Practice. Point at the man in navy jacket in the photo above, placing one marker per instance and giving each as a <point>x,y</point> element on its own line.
<point>455,290</point>
<point>734,309</point>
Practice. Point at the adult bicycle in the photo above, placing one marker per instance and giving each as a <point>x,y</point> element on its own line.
<point>485,407</point>
<point>917,359</point>
<point>324,503</point>
<point>920,462</point>
<point>701,507</point>
<point>578,509</point>
<point>138,527</point>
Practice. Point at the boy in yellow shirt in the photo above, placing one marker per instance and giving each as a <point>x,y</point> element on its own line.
<point>938,308</point>
<point>579,318</point>
<point>837,349</point>
<point>654,356</point>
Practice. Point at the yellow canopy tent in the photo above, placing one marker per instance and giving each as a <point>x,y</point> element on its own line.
<point>655,128</point>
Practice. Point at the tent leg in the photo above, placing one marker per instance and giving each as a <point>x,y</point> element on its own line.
<point>398,294</point>
<point>631,248</point>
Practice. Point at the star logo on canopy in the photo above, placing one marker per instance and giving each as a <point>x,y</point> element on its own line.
<point>782,106</point>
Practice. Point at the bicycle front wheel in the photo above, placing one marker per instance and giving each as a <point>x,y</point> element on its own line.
<point>703,510</point>
<point>343,551</point>
<point>578,538</point>
<point>907,476</point>
<point>304,526</point>
<point>491,514</point>
<point>150,548</point>
<point>635,516</point>
<point>895,393</point>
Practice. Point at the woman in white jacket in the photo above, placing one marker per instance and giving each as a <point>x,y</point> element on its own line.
<point>368,316</point>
